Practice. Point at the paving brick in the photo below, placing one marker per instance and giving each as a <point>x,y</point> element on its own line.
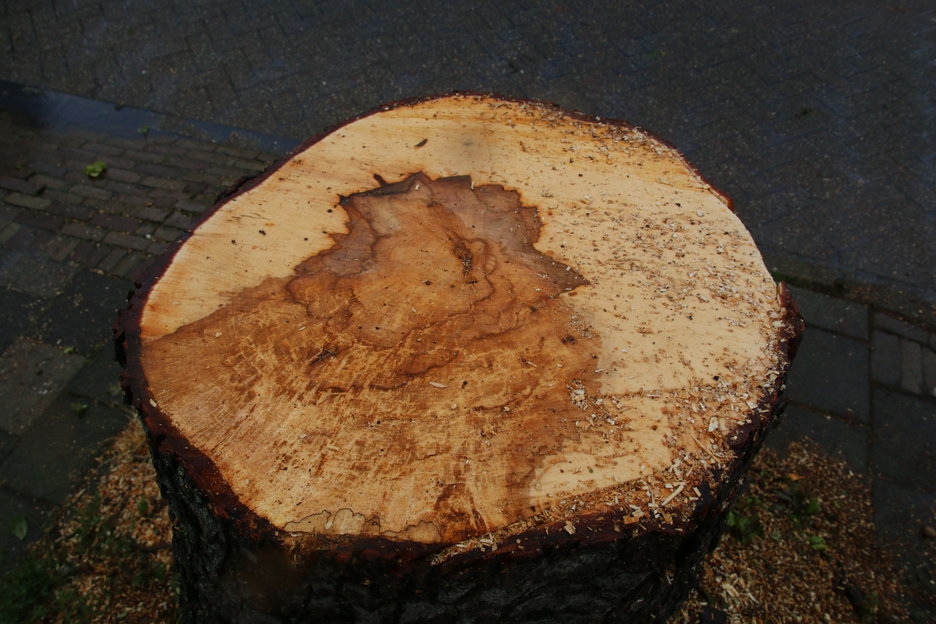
<point>47,168</point>
<point>889,323</point>
<point>166,233</point>
<point>32,273</point>
<point>165,197</point>
<point>111,260</point>
<point>198,188</point>
<point>157,248</point>
<point>128,241</point>
<point>198,149</point>
<point>885,358</point>
<point>154,140</point>
<point>81,230</point>
<point>27,201</point>
<point>911,366</point>
<point>830,373</point>
<point>145,229</point>
<point>32,374</point>
<point>19,312</point>
<point>82,315</point>
<point>240,152</point>
<point>103,150</point>
<point>7,443</point>
<point>8,231</point>
<point>168,150</point>
<point>76,176</point>
<point>62,196</point>
<point>158,171</point>
<point>836,315</point>
<point>123,175</point>
<point>162,183</point>
<point>46,182</point>
<point>904,443</point>
<point>99,380</point>
<point>120,188</point>
<point>149,212</point>
<point>91,192</point>
<point>148,157</point>
<point>114,222</point>
<point>192,172</point>
<point>179,220</point>
<point>227,176</point>
<point>87,254</point>
<point>131,145</point>
<point>17,184</point>
<point>189,205</point>
<point>131,266</point>
<point>75,159</point>
<point>39,219</point>
<point>59,447</point>
<point>71,211</point>
<point>831,434</point>
<point>27,238</point>
<point>247,166</point>
<point>60,248</point>
<point>900,513</point>
<point>929,372</point>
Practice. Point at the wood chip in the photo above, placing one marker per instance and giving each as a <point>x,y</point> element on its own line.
<point>675,493</point>
<point>703,447</point>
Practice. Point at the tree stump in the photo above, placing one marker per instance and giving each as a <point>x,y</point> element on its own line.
<point>460,359</point>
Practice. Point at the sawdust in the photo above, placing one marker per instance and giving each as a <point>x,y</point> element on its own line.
<point>800,547</point>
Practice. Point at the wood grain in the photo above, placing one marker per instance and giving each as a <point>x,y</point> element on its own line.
<point>453,320</point>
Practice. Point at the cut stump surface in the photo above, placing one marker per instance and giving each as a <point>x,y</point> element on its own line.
<point>464,325</point>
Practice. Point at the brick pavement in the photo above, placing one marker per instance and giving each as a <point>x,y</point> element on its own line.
<point>816,117</point>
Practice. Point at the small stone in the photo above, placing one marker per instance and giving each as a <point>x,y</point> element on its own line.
<point>929,532</point>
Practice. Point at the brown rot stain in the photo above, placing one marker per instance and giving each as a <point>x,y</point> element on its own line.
<point>434,316</point>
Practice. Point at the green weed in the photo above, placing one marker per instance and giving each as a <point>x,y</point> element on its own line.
<point>96,169</point>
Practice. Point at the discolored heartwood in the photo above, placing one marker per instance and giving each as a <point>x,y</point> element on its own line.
<point>458,344</point>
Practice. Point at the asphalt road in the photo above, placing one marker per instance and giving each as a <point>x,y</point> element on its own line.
<point>817,118</point>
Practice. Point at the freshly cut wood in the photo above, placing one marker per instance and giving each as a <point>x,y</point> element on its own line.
<point>462,358</point>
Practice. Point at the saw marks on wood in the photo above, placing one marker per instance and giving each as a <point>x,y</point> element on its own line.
<point>538,317</point>
<point>419,378</point>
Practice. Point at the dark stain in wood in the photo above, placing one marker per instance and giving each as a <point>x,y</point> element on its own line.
<point>477,243</point>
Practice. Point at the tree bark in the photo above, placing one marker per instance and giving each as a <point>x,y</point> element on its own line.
<point>461,359</point>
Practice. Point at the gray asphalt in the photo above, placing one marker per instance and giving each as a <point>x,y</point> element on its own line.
<point>817,118</point>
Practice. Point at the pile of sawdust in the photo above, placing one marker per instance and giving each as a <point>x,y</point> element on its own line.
<point>107,556</point>
<point>800,548</point>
